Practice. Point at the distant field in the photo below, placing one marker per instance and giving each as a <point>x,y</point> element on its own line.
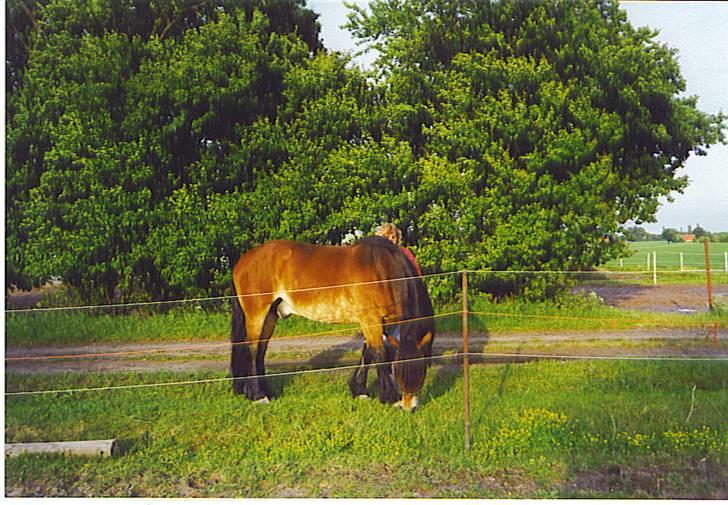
<point>668,256</point>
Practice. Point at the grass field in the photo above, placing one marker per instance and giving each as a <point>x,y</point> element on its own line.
<point>541,429</point>
<point>668,256</point>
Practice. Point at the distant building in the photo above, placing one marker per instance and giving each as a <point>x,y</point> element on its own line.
<point>687,237</point>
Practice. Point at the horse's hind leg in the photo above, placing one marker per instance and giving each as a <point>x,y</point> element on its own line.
<point>249,348</point>
<point>268,326</point>
<point>241,361</point>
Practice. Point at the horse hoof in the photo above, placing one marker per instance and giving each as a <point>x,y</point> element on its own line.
<point>364,397</point>
<point>263,401</point>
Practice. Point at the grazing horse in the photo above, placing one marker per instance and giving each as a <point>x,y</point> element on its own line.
<point>371,283</point>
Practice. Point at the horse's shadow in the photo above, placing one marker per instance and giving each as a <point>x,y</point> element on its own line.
<point>331,356</point>
<point>277,385</point>
<point>447,370</point>
<point>446,374</point>
<point>324,359</point>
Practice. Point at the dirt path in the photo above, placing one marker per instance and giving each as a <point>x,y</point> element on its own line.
<point>322,352</point>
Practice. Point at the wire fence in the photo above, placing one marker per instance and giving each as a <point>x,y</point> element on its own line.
<point>712,327</point>
<point>211,345</point>
<point>672,261</point>
<point>519,356</point>
<point>221,298</point>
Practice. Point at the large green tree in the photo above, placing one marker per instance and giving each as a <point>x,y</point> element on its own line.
<point>539,128</point>
<point>120,115</point>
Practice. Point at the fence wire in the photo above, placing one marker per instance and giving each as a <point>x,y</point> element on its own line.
<point>339,286</point>
<point>225,379</point>
<point>613,321</point>
<point>226,297</point>
<point>351,367</point>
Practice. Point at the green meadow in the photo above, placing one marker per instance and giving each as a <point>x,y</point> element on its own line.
<point>668,256</point>
<point>539,429</point>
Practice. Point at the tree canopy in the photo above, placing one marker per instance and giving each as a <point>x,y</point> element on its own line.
<point>149,144</point>
<point>548,125</point>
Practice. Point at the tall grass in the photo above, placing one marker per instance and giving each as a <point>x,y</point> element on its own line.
<point>577,312</point>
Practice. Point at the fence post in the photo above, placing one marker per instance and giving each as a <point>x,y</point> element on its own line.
<point>654,268</point>
<point>707,275</point>
<point>725,258</point>
<point>648,261</point>
<point>466,361</point>
<point>715,335</point>
<point>681,262</point>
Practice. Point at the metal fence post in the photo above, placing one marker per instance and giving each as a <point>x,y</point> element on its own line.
<point>654,268</point>
<point>466,362</point>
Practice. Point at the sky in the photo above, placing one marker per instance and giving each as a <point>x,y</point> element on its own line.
<point>699,31</point>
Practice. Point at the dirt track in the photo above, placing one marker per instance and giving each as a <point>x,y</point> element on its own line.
<point>323,352</point>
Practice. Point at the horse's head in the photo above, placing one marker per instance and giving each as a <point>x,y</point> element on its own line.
<point>410,366</point>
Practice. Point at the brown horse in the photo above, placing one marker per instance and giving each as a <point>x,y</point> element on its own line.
<point>371,283</point>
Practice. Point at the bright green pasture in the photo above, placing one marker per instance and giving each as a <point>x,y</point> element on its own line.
<point>540,429</point>
<point>668,256</point>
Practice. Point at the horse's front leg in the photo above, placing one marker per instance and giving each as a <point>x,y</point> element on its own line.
<point>374,341</point>
<point>358,381</point>
<point>388,392</point>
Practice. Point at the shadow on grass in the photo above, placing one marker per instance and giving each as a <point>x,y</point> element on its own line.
<point>331,356</point>
<point>507,371</point>
<point>450,369</point>
<point>124,446</point>
<point>327,358</point>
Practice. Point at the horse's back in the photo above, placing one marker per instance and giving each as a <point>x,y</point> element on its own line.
<point>324,265</point>
<point>321,282</point>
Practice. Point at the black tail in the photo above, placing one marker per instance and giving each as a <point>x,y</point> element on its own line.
<point>240,359</point>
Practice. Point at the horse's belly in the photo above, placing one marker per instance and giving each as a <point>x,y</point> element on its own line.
<point>324,312</point>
